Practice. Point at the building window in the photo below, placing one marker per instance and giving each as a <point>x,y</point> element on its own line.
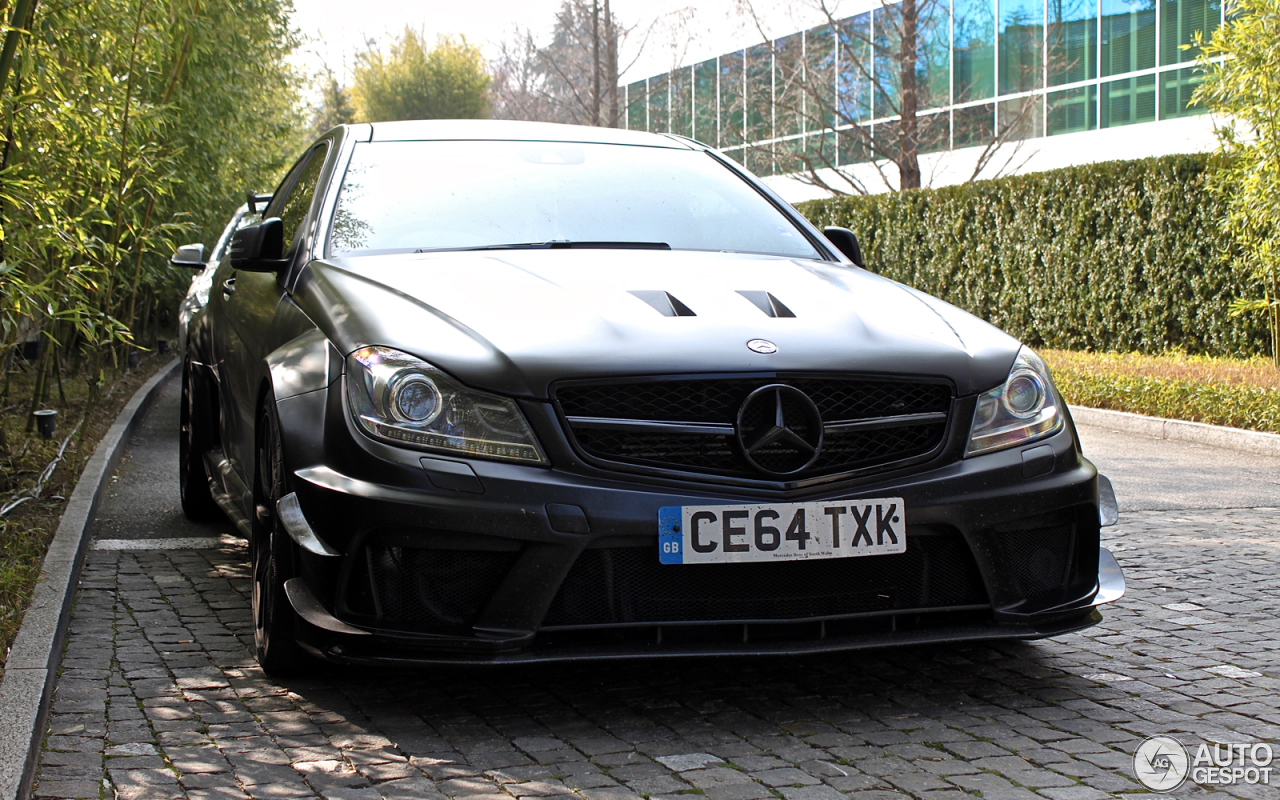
<point>788,89</point>
<point>1073,41</point>
<point>1127,101</point>
<point>1179,22</point>
<point>933,58</point>
<point>1073,110</point>
<point>682,102</point>
<point>820,149</point>
<point>1128,36</point>
<point>659,97</point>
<point>933,132</point>
<point>788,156</point>
<point>886,138</point>
<point>732,102</point>
<point>1021,118</point>
<point>1021,43</point>
<point>973,125</point>
<point>855,70</point>
<point>760,160</point>
<point>1176,86</point>
<point>933,71</point>
<point>975,50</point>
<point>637,106</point>
<point>853,145</point>
<point>888,40</point>
<point>704,103</point>
<point>808,100</point>
<point>820,78</point>
<point>759,94</point>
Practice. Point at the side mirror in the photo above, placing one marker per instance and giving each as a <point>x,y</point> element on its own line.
<point>846,243</point>
<point>189,255</point>
<point>259,247</point>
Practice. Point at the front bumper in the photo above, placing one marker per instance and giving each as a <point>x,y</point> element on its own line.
<point>442,560</point>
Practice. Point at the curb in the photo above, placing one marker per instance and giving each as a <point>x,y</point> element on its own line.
<point>33,660</point>
<point>1263,444</point>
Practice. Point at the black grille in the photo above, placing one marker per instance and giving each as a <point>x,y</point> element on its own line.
<point>681,451</point>
<point>628,585</point>
<point>1039,559</point>
<point>717,401</point>
<point>424,589</point>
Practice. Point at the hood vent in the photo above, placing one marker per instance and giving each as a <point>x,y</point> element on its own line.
<point>770,305</point>
<point>665,303</point>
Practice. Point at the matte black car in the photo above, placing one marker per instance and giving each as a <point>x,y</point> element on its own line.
<point>191,256</point>
<point>498,392</point>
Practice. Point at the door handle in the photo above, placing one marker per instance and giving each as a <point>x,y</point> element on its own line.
<point>229,287</point>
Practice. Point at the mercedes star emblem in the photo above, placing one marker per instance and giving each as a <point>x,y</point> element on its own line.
<point>762,346</point>
<point>779,429</point>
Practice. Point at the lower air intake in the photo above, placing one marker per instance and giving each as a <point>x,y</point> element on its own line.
<point>425,589</point>
<point>1039,559</point>
<point>627,585</point>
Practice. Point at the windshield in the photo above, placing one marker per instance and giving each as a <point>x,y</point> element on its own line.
<point>419,196</point>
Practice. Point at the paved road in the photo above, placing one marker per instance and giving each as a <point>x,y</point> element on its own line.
<point>1155,474</point>
<point>160,696</point>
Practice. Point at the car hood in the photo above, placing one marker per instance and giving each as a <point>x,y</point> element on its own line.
<point>514,321</point>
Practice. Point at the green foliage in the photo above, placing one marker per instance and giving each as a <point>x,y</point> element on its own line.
<point>129,125</point>
<point>1124,255</point>
<point>335,105</point>
<point>448,81</point>
<point>126,127</point>
<point>21,551</point>
<point>1242,83</point>
<point>1215,403</point>
<point>237,117</point>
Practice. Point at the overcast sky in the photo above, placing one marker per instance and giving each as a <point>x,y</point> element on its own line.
<point>683,33</point>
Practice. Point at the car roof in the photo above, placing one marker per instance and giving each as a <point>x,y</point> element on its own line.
<point>514,130</point>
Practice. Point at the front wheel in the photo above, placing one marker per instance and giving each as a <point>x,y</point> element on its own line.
<point>275,623</point>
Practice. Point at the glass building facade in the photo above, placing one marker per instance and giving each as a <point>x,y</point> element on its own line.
<point>1025,68</point>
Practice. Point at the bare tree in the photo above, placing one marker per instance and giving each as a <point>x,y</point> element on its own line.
<point>881,73</point>
<point>572,79</point>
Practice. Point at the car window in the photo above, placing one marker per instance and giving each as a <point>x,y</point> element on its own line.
<point>426,195</point>
<point>297,200</point>
<point>282,191</point>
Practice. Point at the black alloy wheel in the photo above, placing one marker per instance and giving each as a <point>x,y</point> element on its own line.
<point>193,439</point>
<point>275,623</point>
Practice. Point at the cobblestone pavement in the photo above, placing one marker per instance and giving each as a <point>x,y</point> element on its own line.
<point>160,697</point>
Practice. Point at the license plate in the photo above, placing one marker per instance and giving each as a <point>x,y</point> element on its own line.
<point>781,531</point>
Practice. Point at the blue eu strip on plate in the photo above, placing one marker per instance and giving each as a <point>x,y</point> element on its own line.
<point>670,549</point>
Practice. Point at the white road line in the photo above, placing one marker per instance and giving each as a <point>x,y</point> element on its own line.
<point>184,543</point>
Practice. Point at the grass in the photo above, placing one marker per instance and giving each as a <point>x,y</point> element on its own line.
<point>1239,393</point>
<point>25,532</point>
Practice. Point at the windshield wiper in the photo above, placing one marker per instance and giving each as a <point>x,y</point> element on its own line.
<point>555,244</point>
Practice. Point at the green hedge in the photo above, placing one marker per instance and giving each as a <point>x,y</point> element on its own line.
<point>1235,405</point>
<point>1118,256</point>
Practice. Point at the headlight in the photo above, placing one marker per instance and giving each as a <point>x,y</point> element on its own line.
<point>401,399</point>
<point>1024,409</point>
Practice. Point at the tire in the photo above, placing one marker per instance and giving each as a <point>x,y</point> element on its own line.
<point>275,623</point>
<point>193,439</point>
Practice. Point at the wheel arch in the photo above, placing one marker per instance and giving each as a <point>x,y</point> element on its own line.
<point>296,378</point>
